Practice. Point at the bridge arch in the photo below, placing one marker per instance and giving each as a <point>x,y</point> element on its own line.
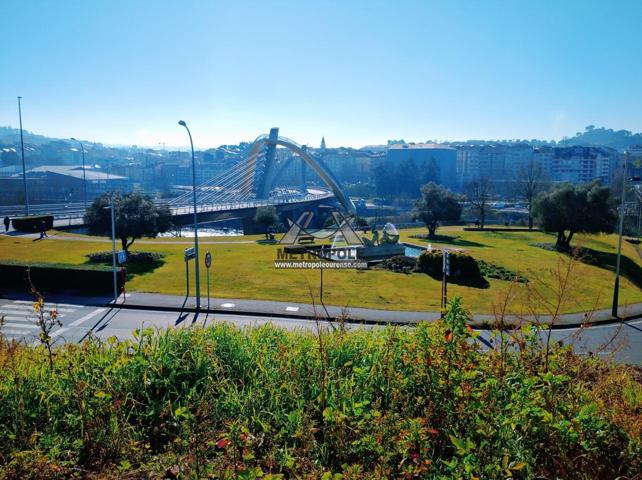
<point>324,172</point>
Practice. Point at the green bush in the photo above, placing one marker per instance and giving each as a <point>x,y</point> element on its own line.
<point>264,402</point>
<point>399,264</point>
<point>463,267</point>
<point>49,278</point>
<point>501,273</point>
<point>32,223</point>
<point>132,257</point>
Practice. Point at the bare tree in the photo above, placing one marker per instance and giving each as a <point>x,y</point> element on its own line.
<point>478,193</point>
<point>531,180</point>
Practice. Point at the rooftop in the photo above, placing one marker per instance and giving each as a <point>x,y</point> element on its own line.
<point>419,146</point>
<point>76,171</point>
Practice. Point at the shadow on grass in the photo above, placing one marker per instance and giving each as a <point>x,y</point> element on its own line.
<point>606,260</point>
<point>445,239</point>
<point>267,242</point>
<point>141,268</point>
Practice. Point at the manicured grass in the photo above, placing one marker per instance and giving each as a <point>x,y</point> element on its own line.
<point>245,270</point>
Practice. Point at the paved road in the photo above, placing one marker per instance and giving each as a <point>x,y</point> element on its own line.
<point>621,341</point>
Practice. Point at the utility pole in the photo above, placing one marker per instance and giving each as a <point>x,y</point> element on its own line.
<point>24,171</point>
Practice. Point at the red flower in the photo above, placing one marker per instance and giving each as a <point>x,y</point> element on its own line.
<point>449,336</point>
<point>469,329</point>
<point>222,443</point>
<point>432,431</point>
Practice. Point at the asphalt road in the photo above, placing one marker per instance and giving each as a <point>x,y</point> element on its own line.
<point>620,341</point>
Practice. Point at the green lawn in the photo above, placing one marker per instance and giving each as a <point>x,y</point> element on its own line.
<point>245,270</point>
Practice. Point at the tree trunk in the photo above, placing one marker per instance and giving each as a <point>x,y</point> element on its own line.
<point>482,215</point>
<point>530,222</point>
<point>123,242</point>
<point>432,228</point>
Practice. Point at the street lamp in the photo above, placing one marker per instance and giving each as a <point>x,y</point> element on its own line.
<point>113,244</point>
<point>198,288</point>
<point>616,285</point>
<point>84,178</point>
<point>22,149</point>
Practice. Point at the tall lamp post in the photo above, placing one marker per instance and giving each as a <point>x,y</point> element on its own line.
<point>24,171</point>
<point>198,288</point>
<point>84,178</point>
<point>616,285</point>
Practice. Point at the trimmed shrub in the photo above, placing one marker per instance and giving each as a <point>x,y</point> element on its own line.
<point>500,273</point>
<point>49,278</point>
<point>132,257</point>
<point>464,269</point>
<point>32,223</point>
<point>400,264</point>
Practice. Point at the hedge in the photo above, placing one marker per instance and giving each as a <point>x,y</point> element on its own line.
<point>464,269</point>
<point>49,278</point>
<point>32,223</point>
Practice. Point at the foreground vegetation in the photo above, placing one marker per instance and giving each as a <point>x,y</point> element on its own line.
<point>267,403</point>
<point>243,268</point>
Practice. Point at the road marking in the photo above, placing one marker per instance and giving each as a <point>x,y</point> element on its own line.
<point>15,332</point>
<point>291,309</point>
<point>29,308</point>
<point>20,325</point>
<point>75,323</point>
<point>86,317</point>
<point>68,305</point>
<point>228,305</point>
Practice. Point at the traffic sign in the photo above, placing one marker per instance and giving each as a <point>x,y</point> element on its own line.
<point>446,269</point>
<point>122,257</point>
<point>208,260</point>
<point>190,253</point>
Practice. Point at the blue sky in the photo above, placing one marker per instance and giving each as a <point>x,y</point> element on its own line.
<point>358,72</point>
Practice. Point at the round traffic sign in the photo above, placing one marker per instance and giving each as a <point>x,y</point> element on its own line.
<point>208,259</point>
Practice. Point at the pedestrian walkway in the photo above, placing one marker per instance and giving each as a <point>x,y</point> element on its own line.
<point>20,319</point>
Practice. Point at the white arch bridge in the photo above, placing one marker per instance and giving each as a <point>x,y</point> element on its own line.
<point>251,182</point>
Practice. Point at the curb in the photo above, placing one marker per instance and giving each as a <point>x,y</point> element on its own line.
<point>481,326</point>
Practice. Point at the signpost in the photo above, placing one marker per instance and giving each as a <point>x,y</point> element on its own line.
<point>444,279</point>
<point>208,264</point>
<point>122,258</point>
<point>190,253</point>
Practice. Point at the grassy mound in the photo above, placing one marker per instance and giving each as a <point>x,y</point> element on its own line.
<point>228,403</point>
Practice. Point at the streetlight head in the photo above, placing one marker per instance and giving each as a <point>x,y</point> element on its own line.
<point>182,123</point>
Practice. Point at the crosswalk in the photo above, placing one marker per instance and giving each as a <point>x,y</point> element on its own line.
<point>20,319</point>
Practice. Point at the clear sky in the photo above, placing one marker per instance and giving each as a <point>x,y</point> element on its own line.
<point>358,72</point>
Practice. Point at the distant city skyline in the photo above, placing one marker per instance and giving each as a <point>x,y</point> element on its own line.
<point>358,73</point>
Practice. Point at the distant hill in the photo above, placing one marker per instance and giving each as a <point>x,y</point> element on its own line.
<point>606,137</point>
<point>10,136</point>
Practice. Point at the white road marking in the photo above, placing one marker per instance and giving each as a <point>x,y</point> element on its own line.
<point>20,325</point>
<point>15,332</point>
<point>228,305</point>
<point>292,309</point>
<point>63,305</point>
<point>29,308</point>
<point>75,323</point>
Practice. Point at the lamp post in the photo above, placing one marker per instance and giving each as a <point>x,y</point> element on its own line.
<point>84,178</point>
<point>616,285</point>
<point>113,245</point>
<point>22,149</point>
<point>198,288</point>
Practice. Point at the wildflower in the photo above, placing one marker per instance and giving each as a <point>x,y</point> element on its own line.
<point>469,329</point>
<point>222,443</point>
<point>449,336</point>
